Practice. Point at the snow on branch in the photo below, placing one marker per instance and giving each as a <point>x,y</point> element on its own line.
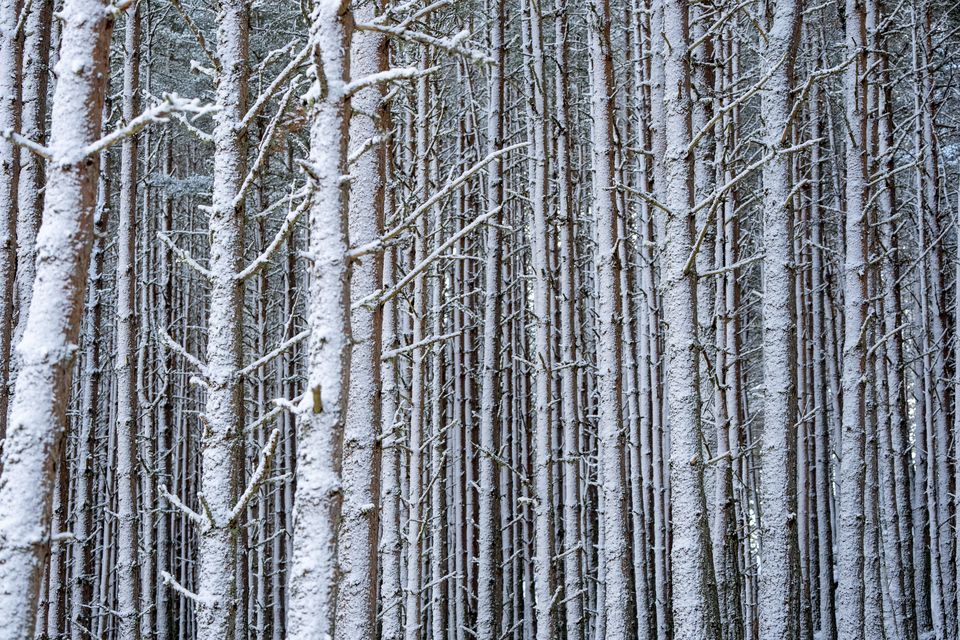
<point>171,103</point>
<point>184,256</point>
<point>187,511</point>
<point>426,342</point>
<point>199,133</point>
<point>197,34</point>
<point>380,242</point>
<point>719,22</point>
<point>801,98</point>
<point>368,144</point>
<point>391,75</point>
<point>646,197</point>
<point>452,44</point>
<point>180,350</point>
<point>171,582</point>
<point>393,10</point>
<point>264,258</point>
<point>264,149</point>
<point>380,297</point>
<point>752,91</point>
<point>283,346</point>
<point>267,93</point>
<point>266,457</point>
<point>27,143</point>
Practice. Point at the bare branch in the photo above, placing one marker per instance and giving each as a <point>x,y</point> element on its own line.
<point>185,257</point>
<point>187,511</point>
<point>283,346</point>
<point>266,457</point>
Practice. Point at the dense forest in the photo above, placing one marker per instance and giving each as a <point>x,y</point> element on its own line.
<point>479,319</point>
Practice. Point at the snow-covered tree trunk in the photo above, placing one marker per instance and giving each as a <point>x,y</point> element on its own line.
<point>572,575</point>
<point>314,574</point>
<point>779,576</point>
<point>10,107</point>
<point>850,559</point>
<point>49,344</point>
<point>216,604</point>
<point>36,52</point>
<point>128,540</point>
<point>822,472</point>
<point>536,115</point>
<point>391,594</point>
<point>615,556</point>
<point>693,586</point>
<point>487,570</point>
<point>83,527</point>
<point>357,607</point>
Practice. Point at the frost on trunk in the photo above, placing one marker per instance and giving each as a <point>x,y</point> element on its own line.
<point>694,594</point>
<point>356,603</point>
<point>128,578</point>
<point>36,51</point>
<point>10,56</point>
<point>217,603</point>
<point>317,509</point>
<point>779,573</point>
<point>850,559</point>
<point>542,469</point>
<point>572,575</point>
<point>822,472</point>
<point>49,344</point>
<point>487,570</point>
<point>615,555</point>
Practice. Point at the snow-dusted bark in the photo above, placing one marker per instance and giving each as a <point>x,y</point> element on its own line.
<point>128,577</point>
<point>543,586</point>
<point>391,594</point>
<point>850,550</point>
<point>779,574</point>
<point>216,602</point>
<point>572,575</point>
<point>317,510</point>
<point>36,51</point>
<point>10,60</point>
<point>416,509</point>
<point>693,591</point>
<point>822,472</point>
<point>487,571</point>
<point>615,556</point>
<point>356,603</point>
<point>49,344</point>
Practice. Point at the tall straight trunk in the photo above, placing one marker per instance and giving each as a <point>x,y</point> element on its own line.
<point>216,608</point>
<point>487,605</point>
<point>391,593</point>
<point>828,620</point>
<point>48,347</point>
<point>536,114</point>
<point>694,593</point>
<point>11,50</point>
<point>36,53</point>
<point>850,559</point>
<point>890,421</point>
<point>615,556</point>
<point>313,579</point>
<point>778,604</point>
<point>165,407</point>
<point>418,372</point>
<point>438,442</point>
<point>357,606</point>
<point>572,576</point>
<point>81,586</point>
<point>128,577</point>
